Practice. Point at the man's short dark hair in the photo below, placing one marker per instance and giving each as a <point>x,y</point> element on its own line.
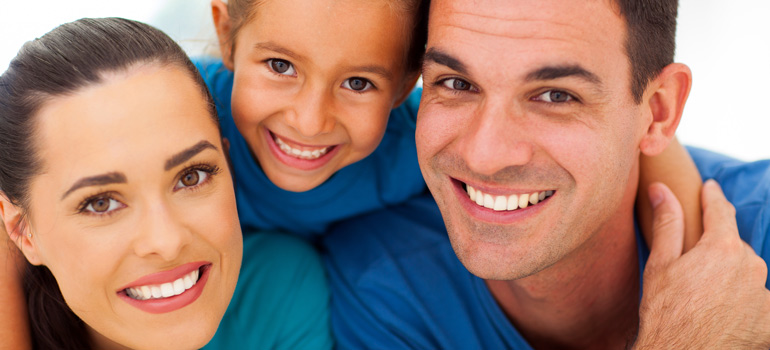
<point>650,39</point>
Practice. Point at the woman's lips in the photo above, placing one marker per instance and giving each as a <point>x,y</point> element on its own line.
<point>168,290</point>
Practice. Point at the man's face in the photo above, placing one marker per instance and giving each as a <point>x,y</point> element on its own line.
<point>528,99</point>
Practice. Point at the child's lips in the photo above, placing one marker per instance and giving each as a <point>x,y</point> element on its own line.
<point>300,151</point>
<point>297,155</point>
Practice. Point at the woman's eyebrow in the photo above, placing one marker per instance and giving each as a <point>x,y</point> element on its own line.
<point>188,153</point>
<point>98,180</point>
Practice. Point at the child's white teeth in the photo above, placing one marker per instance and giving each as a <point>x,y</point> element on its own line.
<point>298,153</point>
<point>164,290</point>
<point>501,203</point>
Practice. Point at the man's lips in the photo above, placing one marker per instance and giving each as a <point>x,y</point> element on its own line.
<point>502,206</point>
<point>506,202</point>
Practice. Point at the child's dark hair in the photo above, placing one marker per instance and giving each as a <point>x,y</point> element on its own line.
<point>69,58</point>
<point>243,11</point>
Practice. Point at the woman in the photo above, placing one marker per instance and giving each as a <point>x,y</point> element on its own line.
<point>116,188</point>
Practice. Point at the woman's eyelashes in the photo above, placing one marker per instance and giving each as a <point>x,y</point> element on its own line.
<point>191,178</point>
<point>281,67</point>
<point>100,204</point>
<point>195,176</point>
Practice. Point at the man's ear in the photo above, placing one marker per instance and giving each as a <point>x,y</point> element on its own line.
<point>223,27</point>
<point>409,82</point>
<point>17,230</point>
<point>665,97</point>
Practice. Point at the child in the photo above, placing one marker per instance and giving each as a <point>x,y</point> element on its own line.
<point>306,99</point>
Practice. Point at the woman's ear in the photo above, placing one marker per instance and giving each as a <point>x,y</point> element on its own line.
<point>665,97</point>
<point>18,231</point>
<point>223,27</point>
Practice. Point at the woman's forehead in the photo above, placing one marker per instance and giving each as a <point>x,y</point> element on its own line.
<point>133,117</point>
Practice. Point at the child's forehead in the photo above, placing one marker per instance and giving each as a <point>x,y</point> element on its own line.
<point>356,29</point>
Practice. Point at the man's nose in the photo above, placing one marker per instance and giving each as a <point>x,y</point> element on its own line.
<point>496,138</point>
<point>312,112</point>
<point>162,233</point>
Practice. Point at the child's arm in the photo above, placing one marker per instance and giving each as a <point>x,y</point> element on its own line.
<point>675,168</point>
<point>14,326</point>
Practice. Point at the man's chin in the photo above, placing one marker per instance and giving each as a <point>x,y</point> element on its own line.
<point>489,259</point>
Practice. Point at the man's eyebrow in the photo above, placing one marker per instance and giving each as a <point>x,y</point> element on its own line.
<point>556,72</point>
<point>437,56</point>
<point>188,153</point>
<point>279,49</point>
<point>98,180</point>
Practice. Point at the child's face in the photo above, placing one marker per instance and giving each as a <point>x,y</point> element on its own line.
<point>315,82</point>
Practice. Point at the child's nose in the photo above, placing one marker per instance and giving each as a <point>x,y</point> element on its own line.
<point>312,113</point>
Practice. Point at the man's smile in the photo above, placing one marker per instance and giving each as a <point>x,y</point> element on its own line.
<point>506,202</point>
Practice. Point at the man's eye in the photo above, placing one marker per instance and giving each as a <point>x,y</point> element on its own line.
<point>456,84</point>
<point>102,205</point>
<point>282,67</point>
<point>357,84</point>
<point>556,96</point>
<point>191,178</point>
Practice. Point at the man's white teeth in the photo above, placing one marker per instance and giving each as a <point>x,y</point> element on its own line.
<point>298,153</point>
<point>501,203</point>
<point>164,290</point>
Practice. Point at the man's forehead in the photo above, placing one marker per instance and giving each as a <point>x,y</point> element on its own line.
<point>524,18</point>
<point>532,33</point>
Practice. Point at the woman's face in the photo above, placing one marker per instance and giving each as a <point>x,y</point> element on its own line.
<point>134,212</point>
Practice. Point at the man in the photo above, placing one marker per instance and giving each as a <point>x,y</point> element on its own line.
<point>554,100</point>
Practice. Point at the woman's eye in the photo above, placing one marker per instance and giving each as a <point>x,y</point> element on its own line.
<point>357,84</point>
<point>282,67</point>
<point>102,205</point>
<point>191,178</point>
<point>556,96</point>
<point>456,84</point>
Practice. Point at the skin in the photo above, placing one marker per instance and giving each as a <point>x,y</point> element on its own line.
<point>154,222</point>
<point>547,266</point>
<point>323,50</point>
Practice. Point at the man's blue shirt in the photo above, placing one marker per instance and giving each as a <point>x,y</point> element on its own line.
<point>397,284</point>
<point>390,175</point>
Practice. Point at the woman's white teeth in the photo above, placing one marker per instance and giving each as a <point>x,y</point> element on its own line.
<point>298,153</point>
<point>501,203</point>
<point>164,290</point>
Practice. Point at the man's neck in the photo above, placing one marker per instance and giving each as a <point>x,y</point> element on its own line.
<point>588,300</point>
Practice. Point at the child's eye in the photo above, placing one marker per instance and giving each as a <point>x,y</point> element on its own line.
<point>101,204</point>
<point>282,67</point>
<point>456,84</point>
<point>357,84</point>
<point>554,96</point>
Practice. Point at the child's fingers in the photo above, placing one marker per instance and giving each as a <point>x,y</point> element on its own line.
<point>667,227</point>
<point>718,213</point>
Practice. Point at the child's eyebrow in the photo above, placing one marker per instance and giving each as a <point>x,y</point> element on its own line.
<point>279,49</point>
<point>379,70</point>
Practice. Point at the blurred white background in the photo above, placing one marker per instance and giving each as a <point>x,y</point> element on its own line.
<point>726,43</point>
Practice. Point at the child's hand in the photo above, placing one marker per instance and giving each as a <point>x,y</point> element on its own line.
<point>714,295</point>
